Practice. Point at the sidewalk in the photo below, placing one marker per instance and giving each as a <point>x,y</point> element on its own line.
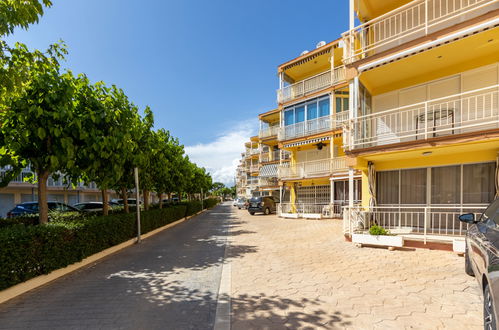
<point>304,275</point>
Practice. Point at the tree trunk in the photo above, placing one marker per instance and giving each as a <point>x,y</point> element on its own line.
<point>124,195</point>
<point>43,207</point>
<point>160,200</point>
<point>105,202</point>
<point>146,199</point>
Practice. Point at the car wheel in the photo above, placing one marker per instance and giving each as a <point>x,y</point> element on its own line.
<point>267,211</point>
<point>252,213</point>
<point>238,207</point>
<point>489,319</point>
<point>467,264</point>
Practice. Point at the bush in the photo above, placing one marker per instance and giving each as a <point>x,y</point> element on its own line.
<point>378,230</point>
<point>29,251</point>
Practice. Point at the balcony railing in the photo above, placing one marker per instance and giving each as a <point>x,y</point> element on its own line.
<point>254,168</point>
<point>310,210</point>
<point>268,182</point>
<point>311,169</point>
<point>408,219</point>
<point>313,126</point>
<point>413,20</point>
<point>310,85</point>
<point>470,111</point>
<point>268,132</point>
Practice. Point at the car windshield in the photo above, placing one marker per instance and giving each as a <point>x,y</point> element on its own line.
<point>256,199</point>
<point>491,214</point>
<point>31,207</point>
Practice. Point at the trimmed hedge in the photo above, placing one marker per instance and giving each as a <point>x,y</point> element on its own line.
<point>27,251</point>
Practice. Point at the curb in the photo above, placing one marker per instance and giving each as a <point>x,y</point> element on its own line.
<point>38,281</point>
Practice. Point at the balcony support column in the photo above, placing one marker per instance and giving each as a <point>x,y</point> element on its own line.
<point>350,187</point>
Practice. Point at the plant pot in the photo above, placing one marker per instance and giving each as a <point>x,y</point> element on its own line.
<point>380,240</point>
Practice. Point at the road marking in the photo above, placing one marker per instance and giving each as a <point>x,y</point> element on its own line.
<point>222,316</point>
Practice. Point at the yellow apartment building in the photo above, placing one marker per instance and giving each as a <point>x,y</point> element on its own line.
<point>423,124</point>
<point>313,103</point>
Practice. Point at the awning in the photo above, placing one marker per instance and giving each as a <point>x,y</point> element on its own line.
<point>296,144</point>
<point>268,171</point>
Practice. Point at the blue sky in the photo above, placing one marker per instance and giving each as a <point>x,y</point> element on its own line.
<point>206,68</point>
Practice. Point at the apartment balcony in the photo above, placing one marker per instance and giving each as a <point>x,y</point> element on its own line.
<point>312,169</point>
<point>467,112</point>
<point>268,182</point>
<point>313,126</point>
<point>268,132</point>
<point>311,85</point>
<point>416,19</point>
<point>274,156</point>
<point>411,221</point>
<point>254,168</point>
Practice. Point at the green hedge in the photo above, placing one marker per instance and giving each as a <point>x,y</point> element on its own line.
<point>27,251</point>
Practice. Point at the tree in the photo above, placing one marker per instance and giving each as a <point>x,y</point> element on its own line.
<point>106,118</point>
<point>40,124</point>
<point>15,13</point>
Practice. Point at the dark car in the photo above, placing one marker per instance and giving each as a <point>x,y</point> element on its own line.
<point>482,258</point>
<point>32,208</point>
<point>264,204</point>
<point>92,206</point>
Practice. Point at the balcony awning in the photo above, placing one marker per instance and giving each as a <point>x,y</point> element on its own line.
<point>300,143</point>
<point>268,171</point>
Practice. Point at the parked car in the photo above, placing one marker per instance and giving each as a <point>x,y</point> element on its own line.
<point>92,206</point>
<point>235,202</point>
<point>32,208</point>
<point>482,258</point>
<point>264,204</point>
<point>131,201</point>
<point>241,203</point>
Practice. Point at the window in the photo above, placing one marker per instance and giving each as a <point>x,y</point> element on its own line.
<point>446,185</point>
<point>341,104</point>
<point>300,114</point>
<point>492,213</point>
<point>387,187</point>
<point>324,107</point>
<point>289,117</point>
<point>413,186</point>
<point>409,186</point>
<point>311,111</point>
<point>478,183</point>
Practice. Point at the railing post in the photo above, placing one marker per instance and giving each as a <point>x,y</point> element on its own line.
<point>425,118</point>
<point>425,223</point>
<point>426,17</point>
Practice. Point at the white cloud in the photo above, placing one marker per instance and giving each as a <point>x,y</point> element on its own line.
<point>221,156</point>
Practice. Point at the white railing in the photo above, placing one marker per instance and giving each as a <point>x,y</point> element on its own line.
<point>413,20</point>
<point>254,168</point>
<point>266,182</point>
<point>310,210</point>
<point>310,85</point>
<point>471,111</point>
<point>268,132</point>
<point>313,126</point>
<point>409,219</point>
<point>313,168</point>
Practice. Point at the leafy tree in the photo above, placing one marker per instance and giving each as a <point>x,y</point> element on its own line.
<point>40,124</point>
<point>106,118</point>
<point>16,13</point>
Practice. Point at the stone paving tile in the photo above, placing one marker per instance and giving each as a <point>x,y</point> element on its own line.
<point>303,275</point>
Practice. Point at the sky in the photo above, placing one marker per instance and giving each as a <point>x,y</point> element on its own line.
<point>206,68</point>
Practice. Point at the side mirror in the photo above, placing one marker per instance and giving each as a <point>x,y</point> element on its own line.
<point>468,218</point>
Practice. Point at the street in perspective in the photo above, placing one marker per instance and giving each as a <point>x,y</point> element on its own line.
<point>249,165</point>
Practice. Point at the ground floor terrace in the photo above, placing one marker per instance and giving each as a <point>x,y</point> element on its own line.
<point>419,193</point>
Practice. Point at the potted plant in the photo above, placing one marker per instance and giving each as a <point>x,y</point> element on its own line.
<point>378,236</point>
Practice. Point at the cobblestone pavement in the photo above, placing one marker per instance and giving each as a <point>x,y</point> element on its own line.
<point>304,275</point>
<point>169,281</point>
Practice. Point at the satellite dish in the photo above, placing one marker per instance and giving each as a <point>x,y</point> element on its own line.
<point>304,52</point>
<point>320,44</point>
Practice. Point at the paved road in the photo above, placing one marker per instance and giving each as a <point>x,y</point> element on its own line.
<point>170,281</point>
